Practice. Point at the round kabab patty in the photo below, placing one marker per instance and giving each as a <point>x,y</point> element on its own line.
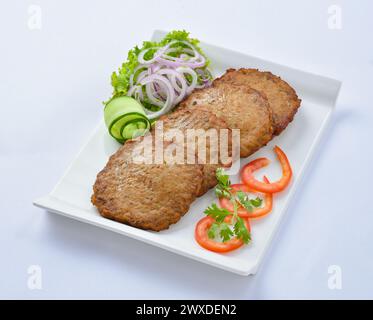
<point>241,108</point>
<point>147,196</point>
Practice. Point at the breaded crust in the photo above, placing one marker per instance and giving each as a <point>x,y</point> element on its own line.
<point>241,108</point>
<point>146,196</point>
<point>282,98</point>
<point>209,140</point>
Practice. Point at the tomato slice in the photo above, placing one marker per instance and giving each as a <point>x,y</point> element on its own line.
<point>249,179</point>
<point>242,212</point>
<point>204,241</point>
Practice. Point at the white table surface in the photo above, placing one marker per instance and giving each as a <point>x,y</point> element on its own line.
<point>52,83</point>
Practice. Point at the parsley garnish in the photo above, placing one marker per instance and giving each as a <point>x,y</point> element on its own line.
<point>247,203</point>
<point>217,213</point>
<point>241,232</point>
<point>213,231</point>
<point>223,189</point>
<point>220,228</point>
<point>225,232</point>
<point>244,201</point>
<point>257,202</point>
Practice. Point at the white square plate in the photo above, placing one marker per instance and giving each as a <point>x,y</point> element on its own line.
<point>71,196</point>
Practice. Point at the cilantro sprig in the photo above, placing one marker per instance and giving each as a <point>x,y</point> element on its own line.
<point>241,231</point>
<point>218,214</point>
<point>246,202</point>
<point>223,188</point>
<point>221,229</point>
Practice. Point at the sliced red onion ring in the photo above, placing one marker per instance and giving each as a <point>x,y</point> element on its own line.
<point>199,60</point>
<point>152,95</point>
<point>190,71</point>
<point>187,54</point>
<point>132,90</point>
<point>141,59</point>
<point>136,92</point>
<point>168,104</point>
<point>174,76</point>
<point>192,64</point>
<point>163,76</point>
<point>204,73</point>
<point>139,77</point>
<point>155,67</point>
<point>205,76</point>
<point>135,71</point>
<point>184,42</point>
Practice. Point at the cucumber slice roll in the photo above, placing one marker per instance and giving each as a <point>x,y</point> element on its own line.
<point>125,119</point>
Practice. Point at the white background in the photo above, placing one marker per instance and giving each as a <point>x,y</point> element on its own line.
<point>52,83</point>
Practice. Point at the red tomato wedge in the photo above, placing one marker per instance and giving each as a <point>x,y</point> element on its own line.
<point>248,178</point>
<point>242,212</point>
<point>204,241</point>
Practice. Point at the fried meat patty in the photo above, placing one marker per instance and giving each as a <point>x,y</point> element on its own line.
<point>205,138</point>
<point>241,108</point>
<point>282,98</point>
<point>146,196</point>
